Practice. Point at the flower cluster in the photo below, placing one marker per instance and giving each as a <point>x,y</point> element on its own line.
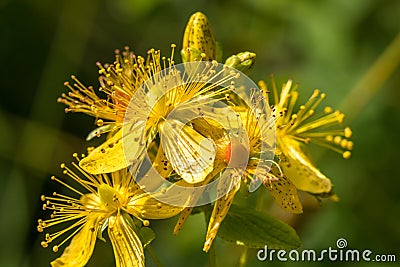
<point>171,133</point>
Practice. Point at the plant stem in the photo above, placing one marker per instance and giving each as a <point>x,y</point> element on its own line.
<point>372,80</point>
<point>243,257</point>
<point>212,252</point>
<point>212,255</point>
<point>154,256</point>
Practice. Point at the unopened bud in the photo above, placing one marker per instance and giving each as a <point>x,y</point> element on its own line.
<point>198,40</point>
<point>243,61</point>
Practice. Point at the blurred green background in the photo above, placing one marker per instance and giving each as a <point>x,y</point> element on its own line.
<point>329,45</point>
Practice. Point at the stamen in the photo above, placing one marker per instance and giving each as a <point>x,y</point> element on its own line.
<point>306,125</point>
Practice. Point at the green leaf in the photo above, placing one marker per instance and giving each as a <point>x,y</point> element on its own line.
<point>146,235</point>
<point>250,228</point>
<point>100,232</point>
<point>133,223</point>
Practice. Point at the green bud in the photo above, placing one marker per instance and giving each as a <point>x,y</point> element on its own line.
<point>243,61</point>
<point>198,40</point>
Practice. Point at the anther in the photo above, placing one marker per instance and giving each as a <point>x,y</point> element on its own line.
<point>347,132</point>
<point>346,154</point>
<point>337,140</point>
<point>340,117</point>
<point>349,145</point>
<point>343,143</point>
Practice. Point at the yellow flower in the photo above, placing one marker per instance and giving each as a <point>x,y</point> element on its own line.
<point>161,107</point>
<point>246,157</point>
<point>141,94</point>
<point>119,81</point>
<point>295,129</point>
<point>108,201</point>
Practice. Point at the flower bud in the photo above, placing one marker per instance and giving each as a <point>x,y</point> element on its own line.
<point>198,40</point>
<point>243,61</point>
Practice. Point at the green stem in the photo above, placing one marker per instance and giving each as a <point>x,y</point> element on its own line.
<point>372,80</point>
<point>244,257</point>
<point>212,255</point>
<point>154,256</point>
<point>212,252</point>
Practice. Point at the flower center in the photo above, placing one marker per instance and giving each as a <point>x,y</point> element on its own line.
<point>110,198</point>
<point>240,156</point>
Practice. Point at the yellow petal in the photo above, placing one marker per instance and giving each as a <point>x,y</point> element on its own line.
<point>284,193</point>
<point>161,163</point>
<point>81,247</point>
<point>182,219</point>
<point>191,154</point>
<point>228,184</point>
<point>298,168</point>
<point>160,171</point>
<point>154,206</point>
<point>191,198</point>
<point>128,249</point>
<point>116,153</point>
<point>212,129</point>
<point>209,128</point>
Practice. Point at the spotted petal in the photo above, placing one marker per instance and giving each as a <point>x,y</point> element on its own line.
<point>116,153</point>
<point>284,192</point>
<point>228,185</point>
<point>192,198</point>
